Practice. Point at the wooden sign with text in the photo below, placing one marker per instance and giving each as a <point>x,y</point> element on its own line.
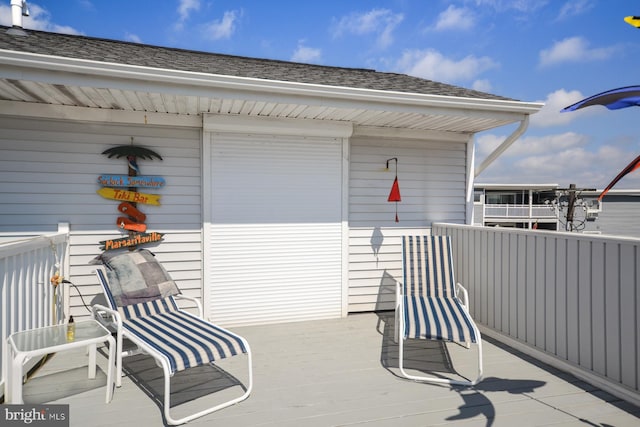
<point>129,196</point>
<point>131,241</point>
<point>145,181</point>
<point>124,188</point>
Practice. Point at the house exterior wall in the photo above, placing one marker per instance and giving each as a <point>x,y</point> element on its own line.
<point>432,175</point>
<point>49,170</point>
<point>48,174</point>
<point>620,216</point>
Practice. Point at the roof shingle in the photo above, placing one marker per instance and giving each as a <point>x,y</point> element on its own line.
<point>113,51</point>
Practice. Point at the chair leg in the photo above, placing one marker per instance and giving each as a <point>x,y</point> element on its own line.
<point>440,380</point>
<point>119,359</point>
<point>396,328</point>
<point>167,393</point>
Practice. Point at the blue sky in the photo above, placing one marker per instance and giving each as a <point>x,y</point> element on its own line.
<point>551,51</point>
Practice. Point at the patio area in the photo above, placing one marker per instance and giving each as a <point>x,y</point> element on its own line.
<point>337,372</point>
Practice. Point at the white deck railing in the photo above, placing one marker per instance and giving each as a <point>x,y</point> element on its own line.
<point>27,297</point>
<point>519,211</point>
<point>569,299</point>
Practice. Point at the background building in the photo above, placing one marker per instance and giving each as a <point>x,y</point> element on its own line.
<point>546,207</point>
<point>619,213</point>
<point>516,205</point>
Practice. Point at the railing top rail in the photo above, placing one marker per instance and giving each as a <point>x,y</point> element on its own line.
<point>549,233</point>
<point>518,205</point>
<point>16,247</point>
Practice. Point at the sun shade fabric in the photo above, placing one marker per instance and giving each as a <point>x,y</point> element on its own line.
<point>431,309</point>
<point>136,277</point>
<point>183,339</point>
<point>614,99</point>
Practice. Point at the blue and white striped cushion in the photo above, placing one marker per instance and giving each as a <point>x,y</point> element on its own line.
<point>148,308</point>
<point>185,340</point>
<point>431,309</point>
<point>428,266</point>
<point>437,319</point>
<point>182,338</point>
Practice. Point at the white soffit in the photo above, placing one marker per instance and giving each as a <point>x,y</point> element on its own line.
<point>34,78</point>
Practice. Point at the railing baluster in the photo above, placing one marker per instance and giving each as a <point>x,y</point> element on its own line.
<point>26,293</point>
<point>570,295</point>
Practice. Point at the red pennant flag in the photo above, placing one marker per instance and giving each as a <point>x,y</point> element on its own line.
<point>394,196</point>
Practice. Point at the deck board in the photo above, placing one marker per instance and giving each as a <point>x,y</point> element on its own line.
<point>339,372</point>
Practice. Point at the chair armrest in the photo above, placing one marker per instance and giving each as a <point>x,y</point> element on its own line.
<point>193,300</point>
<point>465,295</point>
<point>100,311</point>
<point>398,293</point>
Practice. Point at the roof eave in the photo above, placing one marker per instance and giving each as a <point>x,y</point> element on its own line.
<point>56,69</point>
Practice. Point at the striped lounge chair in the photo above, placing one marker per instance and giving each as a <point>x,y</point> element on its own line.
<point>429,303</point>
<point>142,307</point>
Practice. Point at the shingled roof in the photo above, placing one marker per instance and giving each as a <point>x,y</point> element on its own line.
<point>113,51</point>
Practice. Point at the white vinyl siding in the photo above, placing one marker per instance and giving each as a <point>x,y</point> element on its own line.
<point>619,216</point>
<point>432,177</point>
<point>48,174</point>
<point>276,234</point>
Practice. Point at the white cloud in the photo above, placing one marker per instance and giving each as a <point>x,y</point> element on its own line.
<point>185,8</point>
<point>574,8</point>
<point>455,18</point>
<point>530,145</point>
<point>381,22</point>
<point>87,4</point>
<point>38,19</point>
<point>433,65</point>
<point>550,114</point>
<point>222,28</point>
<point>558,158</point>
<point>574,49</point>
<point>306,54</point>
<point>576,165</point>
<point>518,5</point>
<point>482,85</point>
<point>132,38</point>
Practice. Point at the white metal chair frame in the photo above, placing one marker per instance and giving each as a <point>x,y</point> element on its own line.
<point>113,318</point>
<point>462,296</point>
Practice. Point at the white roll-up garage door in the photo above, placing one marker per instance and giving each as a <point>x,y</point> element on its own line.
<point>275,236</point>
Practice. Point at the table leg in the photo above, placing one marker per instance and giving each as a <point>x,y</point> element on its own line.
<point>14,380</point>
<point>92,361</point>
<point>6,354</point>
<point>110,363</point>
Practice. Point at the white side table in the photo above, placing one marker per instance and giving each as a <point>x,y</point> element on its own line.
<point>24,345</point>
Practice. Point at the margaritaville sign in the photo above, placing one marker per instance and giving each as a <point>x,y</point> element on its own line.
<point>127,242</point>
<point>123,188</point>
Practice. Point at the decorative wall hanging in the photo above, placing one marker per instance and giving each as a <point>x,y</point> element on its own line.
<point>133,220</point>
<point>394,195</point>
<point>129,196</point>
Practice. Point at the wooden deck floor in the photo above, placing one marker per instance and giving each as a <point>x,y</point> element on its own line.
<point>339,372</point>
